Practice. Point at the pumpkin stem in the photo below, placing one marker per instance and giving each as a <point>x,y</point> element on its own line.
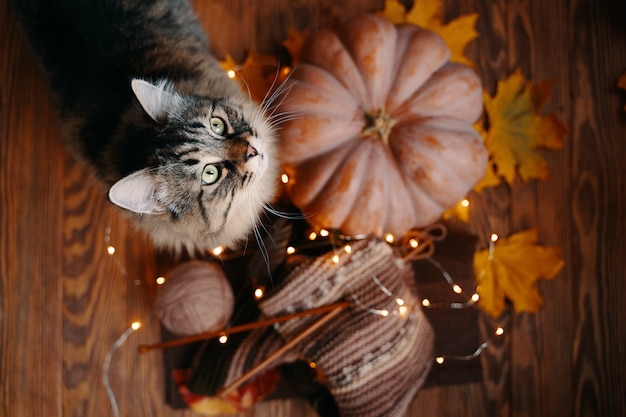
<point>379,125</point>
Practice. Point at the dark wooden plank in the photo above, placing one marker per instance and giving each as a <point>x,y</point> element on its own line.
<point>450,400</point>
<point>30,235</point>
<point>537,32</point>
<point>94,297</point>
<point>236,27</point>
<point>598,222</point>
<point>529,41</point>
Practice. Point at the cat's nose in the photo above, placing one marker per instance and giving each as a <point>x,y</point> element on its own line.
<point>250,152</point>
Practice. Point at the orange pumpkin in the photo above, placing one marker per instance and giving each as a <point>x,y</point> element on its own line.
<point>383,139</point>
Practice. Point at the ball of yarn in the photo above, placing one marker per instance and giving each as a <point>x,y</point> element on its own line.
<point>195,298</point>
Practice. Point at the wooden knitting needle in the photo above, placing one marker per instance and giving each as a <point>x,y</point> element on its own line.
<point>282,350</point>
<point>242,328</point>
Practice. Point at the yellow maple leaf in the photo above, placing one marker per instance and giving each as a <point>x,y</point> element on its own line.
<point>490,179</point>
<point>428,14</point>
<point>459,211</point>
<point>516,128</point>
<point>621,83</point>
<point>511,269</point>
<point>394,11</point>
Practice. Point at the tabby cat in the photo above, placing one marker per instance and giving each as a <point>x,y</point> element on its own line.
<point>146,106</point>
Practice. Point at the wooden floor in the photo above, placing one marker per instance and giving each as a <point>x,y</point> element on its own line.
<point>64,301</point>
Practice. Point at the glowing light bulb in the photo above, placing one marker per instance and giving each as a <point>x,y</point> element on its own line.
<point>223,339</point>
<point>231,74</point>
<point>499,331</point>
<point>384,313</point>
<point>324,233</point>
<point>348,248</point>
<point>440,359</point>
<point>135,325</point>
<point>218,251</point>
<point>403,310</point>
<point>475,297</point>
<point>110,250</point>
<point>284,178</point>
<point>400,301</point>
<point>312,365</point>
<point>414,243</point>
<point>426,302</point>
<point>291,250</point>
<point>494,237</point>
<point>457,289</point>
<point>286,70</point>
<point>258,293</point>
<point>336,259</point>
<point>312,236</point>
<point>389,238</point>
<point>160,280</point>
<point>465,202</point>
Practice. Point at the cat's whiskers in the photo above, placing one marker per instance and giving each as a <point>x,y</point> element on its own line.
<point>267,108</point>
<point>261,244</point>
<point>271,107</point>
<point>283,214</point>
<point>281,92</point>
<point>278,119</point>
<point>269,95</point>
<point>245,83</point>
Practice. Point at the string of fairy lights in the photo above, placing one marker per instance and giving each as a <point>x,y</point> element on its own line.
<point>419,245</point>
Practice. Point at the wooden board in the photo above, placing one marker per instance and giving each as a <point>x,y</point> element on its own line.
<point>64,301</point>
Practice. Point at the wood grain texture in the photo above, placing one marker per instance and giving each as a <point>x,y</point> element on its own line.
<point>598,132</point>
<point>31,231</point>
<point>64,301</point>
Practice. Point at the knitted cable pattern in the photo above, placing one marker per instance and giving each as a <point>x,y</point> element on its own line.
<point>374,355</point>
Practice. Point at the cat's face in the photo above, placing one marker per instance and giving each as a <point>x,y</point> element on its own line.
<point>214,170</point>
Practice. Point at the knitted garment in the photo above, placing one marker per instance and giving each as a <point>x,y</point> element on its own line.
<point>375,354</point>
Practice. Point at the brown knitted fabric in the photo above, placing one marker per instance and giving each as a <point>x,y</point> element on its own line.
<point>374,355</point>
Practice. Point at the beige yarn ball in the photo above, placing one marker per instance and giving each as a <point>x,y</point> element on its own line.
<point>195,298</point>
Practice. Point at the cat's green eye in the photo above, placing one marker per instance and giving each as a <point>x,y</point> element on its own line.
<point>210,174</point>
<point>217,125</point>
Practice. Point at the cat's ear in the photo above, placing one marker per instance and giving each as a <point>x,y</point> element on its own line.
<point>155,99</point>
<point>136,192</point>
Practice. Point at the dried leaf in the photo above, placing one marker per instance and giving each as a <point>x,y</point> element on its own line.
<point>255,74</point>
<point>229,64</point>
<point>459,211</point>
<point>294,43</point>
<point>458,34</point>
<point>490,179</point>
<point>516,128</point>
<point>428,14</point>
<point>511,271</point>
<point>394,11</point>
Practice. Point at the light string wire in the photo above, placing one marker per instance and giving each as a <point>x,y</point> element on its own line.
<point>416,245</point>
<point>107,365</point>
<point>135,326</point>
<point>420,245</point>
